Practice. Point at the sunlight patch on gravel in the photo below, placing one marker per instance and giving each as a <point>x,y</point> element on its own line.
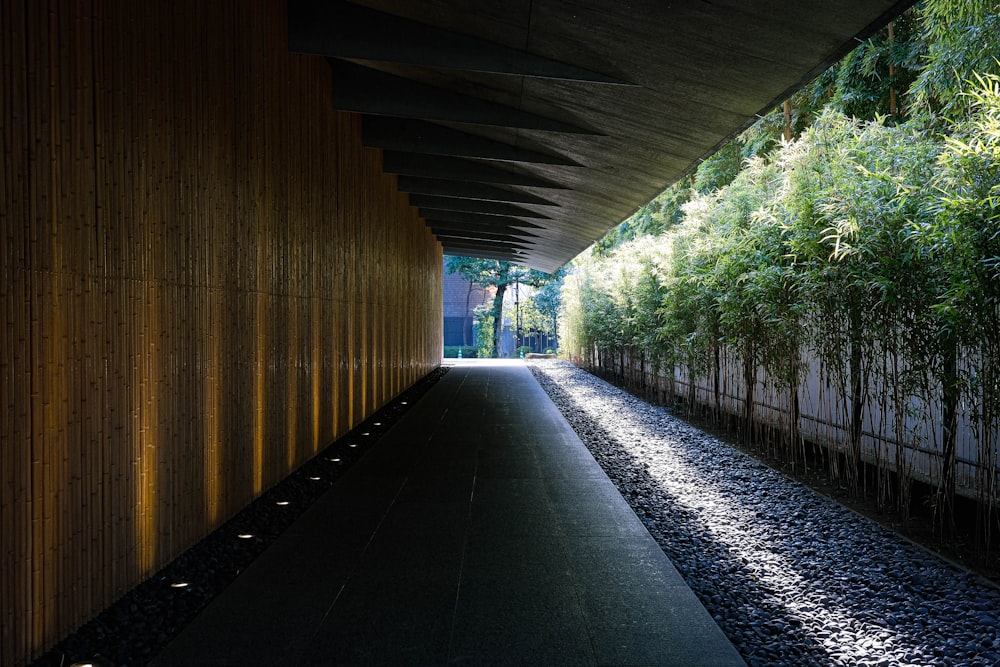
<point>792,577</point>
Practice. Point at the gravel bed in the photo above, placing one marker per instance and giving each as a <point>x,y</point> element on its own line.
<point>136,627</point>
<point>792,577</point>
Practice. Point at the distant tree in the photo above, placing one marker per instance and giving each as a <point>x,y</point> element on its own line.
<point>499,275</point>
<point>546,302</point>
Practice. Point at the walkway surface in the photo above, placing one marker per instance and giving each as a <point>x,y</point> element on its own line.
<point>477,531</point>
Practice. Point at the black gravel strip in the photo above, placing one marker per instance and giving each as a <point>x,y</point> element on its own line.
<point>792,577</point>
<point>134,629</point>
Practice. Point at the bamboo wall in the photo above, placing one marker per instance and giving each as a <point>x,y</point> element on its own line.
<point>903,437</point>
<point>206,279</point>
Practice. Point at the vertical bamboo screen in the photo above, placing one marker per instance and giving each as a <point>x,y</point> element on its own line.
<point>890,435</point>
<point>206,278</point>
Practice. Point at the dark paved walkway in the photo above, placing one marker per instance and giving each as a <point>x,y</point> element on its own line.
<point>479,530</point>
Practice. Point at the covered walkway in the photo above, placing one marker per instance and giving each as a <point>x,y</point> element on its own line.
<point>479,530</point>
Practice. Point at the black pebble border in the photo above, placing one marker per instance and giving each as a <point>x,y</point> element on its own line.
<point>133,630</point>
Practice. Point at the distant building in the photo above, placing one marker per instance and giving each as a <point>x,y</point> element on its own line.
<point>460,300</point>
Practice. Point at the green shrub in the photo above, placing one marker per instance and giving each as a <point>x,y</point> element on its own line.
<point>468,351</point>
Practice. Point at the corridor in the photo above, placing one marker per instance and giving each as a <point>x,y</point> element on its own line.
<point>479,530</point>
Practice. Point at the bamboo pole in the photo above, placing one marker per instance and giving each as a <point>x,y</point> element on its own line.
<point>892,68</point>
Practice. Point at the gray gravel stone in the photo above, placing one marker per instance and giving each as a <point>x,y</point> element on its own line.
<point>792,577</point>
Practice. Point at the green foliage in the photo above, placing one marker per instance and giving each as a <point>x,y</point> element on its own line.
<point>547,298</point>
<point>962,237</point>
<point>962,40</point>
<point>498,273</point>
<point>484,323</point>
<point>837,245</point>
<point>656,217</point>
<point>865,77</point>
<point>870,244</point>
<point>966,228</point>
<point>540,310</point>
<point>719,169</point>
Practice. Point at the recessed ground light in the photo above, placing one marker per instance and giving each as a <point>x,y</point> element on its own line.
<point>179,584</point>
<point>378,424</point>
<point>336,460</point>
<point>244,536</point>
<point>282,503</point>
<point>353,444</point>
<point>315,479</point>
<point>366,433</point>
<point>402,402</point>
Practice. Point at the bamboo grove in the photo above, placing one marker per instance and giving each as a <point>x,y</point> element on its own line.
<point>836,292</point>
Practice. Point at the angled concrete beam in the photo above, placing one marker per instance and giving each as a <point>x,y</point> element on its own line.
<point>475,218</point>
<point>369,91</point>
<point>417,136</point>
<point>456,169</point>
<point>343,30</point>
<point>445,188</point>
<point>478,245</point>
<point>490,237</point>
<point>445,227</point>
<point>479,236</point>
<point>444,233</point>
<point>481,245</point>
<point>458,251</point>
<point>432,202</point>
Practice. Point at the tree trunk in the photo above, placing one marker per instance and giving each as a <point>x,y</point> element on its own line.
<point>466,318</point>
<point>498,319</point>
<point>787,108</point>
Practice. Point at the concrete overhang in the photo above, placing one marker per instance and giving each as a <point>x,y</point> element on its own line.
<point>526,129</point>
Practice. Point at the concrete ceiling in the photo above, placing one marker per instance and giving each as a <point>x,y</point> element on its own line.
<point>526,129</point>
